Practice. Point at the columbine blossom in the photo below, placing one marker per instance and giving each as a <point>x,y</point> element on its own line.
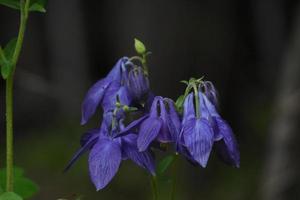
<point>163,124</point>
<point>200,132</point>
<point>137,83</point>
<point>104,91</point>
<point>107,152</point>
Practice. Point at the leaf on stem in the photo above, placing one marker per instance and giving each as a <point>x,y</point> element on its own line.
<point>6,55</point>
<point>164,164</point>
<point>10,196</point>
<point>23,186</point>
<point>35,5</point>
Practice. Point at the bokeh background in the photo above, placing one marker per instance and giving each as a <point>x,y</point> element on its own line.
<point>250,49</point>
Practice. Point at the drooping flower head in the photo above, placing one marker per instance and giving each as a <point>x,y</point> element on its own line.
<point>162,125</point>
<point>107,151</point>
<point>138,83</point>
<point>202,126</point>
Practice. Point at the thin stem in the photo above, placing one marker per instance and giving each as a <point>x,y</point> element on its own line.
<point>154,187</point>
<point>9,96</point>
<point>174,185</point>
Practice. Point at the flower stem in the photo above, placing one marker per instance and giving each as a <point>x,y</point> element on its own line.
<point>154,187</point>
<point>9,96</point>
<point>174,185</point>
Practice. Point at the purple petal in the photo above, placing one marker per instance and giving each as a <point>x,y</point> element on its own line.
<point>153,110</point>
<point>211,92</point>
<point>116,72</point>
<point>143,159</point>
<point>228,147</point>
<point>199,140</point>
<point>110,97</point>
<point>104,162</point>
<point>164,135</point>
<point>188,108</point>
<point>148,132</point>
<point>92,99</point>
<point>86,137</point>
<point>174,123</point>
<point>132,125</point>
<point>137,83</point>
<point>88,144</point>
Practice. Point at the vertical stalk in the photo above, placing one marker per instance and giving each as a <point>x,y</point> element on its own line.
<point>9,96</point>
<point>175,177</point>
<point>154,187</point>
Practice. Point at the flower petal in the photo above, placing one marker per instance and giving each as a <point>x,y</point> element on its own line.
<point>173,121</point>
<point>188,108</point>
<point>104,162</point>
<point>92,99</point>
<point>199,141</point>
<point>148,132</point>
<point>115,73</point>
<point>131,126</point>
<point>87,143</point>
<point>110,97</point>
<point>164,135</point>
<point>143,159</point>
<point>228,147</point>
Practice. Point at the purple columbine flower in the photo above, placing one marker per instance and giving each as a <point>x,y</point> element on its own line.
<point>137,83</point>
<point>197,134</point>
<point>106,90</point>
<point>107,152</point>
<point>162,124</point>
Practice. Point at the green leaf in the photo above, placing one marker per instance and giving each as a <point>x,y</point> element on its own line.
<point>35,5</point>
<point>139,47</point>
<point>1,190</point>
<point>164,164</point>
<point>10,48</point>
<point>22,185</point>
<point>179,103</point>
<point>6,58</point>
<point>38,5</point>
<point>10,196</point>
<point>15,4</point>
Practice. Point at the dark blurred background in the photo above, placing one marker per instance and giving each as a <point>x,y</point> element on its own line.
<point>250,49</point>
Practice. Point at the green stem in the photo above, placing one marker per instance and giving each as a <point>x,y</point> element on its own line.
<point>154,187</point>
<point>174,185</point>
<point>9,96</point>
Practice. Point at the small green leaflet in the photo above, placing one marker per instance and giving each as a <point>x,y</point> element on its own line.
<point>35,5</point>
<point>179,103</point>
<point>6,55</point>
<point>10,196</point>
<point>22,185</point>
<point>164,164</point>
<point>139,47</point>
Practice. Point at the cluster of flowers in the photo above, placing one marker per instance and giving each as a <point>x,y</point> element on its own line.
<point>192,124</point>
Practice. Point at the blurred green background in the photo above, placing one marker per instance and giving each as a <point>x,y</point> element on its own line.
<point>248,49</point>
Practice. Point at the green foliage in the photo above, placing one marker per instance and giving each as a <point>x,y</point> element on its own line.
<point>164,164</point>
<point>139,47</point>
<point>1,190</point>
<point>35,5</point>
<point>6,55</point>
<point>10,196</point>
<point>22,185</point>
<point>179,103</point>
